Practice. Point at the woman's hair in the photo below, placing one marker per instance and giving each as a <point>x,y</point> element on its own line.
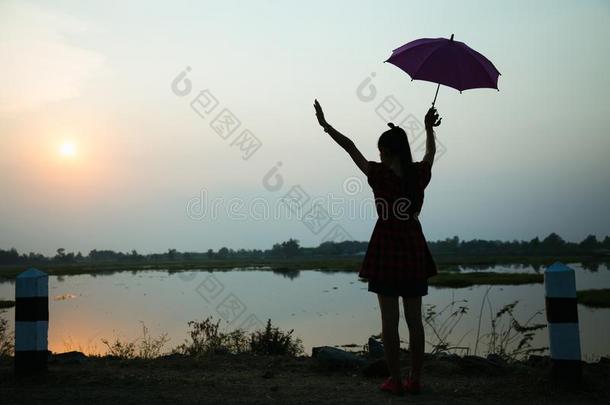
<point>396,143</point>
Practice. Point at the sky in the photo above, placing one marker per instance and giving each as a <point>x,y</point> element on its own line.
<point>103,145</point>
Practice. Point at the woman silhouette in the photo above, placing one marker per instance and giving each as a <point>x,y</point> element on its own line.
<point>397,262</point>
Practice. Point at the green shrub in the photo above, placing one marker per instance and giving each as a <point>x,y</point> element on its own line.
<point>207,338</point>
<point>272,341</point>
<point>7,338</point>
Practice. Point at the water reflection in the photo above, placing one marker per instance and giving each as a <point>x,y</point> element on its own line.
<point>591,266</point>
<point>287,273</point>
<point>323,307</point>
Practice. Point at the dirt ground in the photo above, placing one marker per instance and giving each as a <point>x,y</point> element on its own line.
<point>229,379</point>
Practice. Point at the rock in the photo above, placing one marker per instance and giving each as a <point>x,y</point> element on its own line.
<point>604,360</point>
<point>375,348</point>
<point>333,357</point>
<point>69,358</point>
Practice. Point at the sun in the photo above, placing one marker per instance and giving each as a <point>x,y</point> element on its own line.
<point>67,149</point>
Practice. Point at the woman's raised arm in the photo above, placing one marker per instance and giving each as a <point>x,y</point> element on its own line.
<point>432,120</point>
<point>343,141</point>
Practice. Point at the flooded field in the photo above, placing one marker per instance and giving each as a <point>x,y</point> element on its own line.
<point>323,308</point>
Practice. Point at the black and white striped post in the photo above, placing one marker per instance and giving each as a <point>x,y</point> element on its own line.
<point>562,317</point>
<point>31,321</point>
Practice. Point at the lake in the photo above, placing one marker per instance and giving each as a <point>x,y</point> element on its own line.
<point>323,308</point>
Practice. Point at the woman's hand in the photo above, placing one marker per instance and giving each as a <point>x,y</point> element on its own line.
<point>320,115</point>
<point>432,120</point>
<point>343,141</point>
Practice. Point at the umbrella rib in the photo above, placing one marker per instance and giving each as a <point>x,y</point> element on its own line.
<point>474,54</point>
<point>426,59</point>
<point>429,56</point>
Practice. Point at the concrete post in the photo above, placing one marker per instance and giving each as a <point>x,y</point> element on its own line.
<point>562,317</point>
<point>31,321</point>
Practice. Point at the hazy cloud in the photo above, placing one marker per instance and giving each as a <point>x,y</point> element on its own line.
<point>39,64</point>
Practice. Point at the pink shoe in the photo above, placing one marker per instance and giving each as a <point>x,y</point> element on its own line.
<point>411,386</point>
<point>392,386</point>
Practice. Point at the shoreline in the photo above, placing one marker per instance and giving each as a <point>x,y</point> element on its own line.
<point>331,264</point>
<point>247,378</point>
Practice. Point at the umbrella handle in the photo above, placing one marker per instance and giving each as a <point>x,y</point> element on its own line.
<point>437,87</point>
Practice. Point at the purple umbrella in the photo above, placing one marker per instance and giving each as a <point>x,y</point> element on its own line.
<point>445,61</point>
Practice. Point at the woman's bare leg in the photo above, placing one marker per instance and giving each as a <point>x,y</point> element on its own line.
<point>416,335</point>
<point>390,316</point>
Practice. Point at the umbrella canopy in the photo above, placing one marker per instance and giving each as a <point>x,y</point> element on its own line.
<point>445,61</point>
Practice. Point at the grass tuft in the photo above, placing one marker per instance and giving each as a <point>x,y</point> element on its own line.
<point>594,298</point>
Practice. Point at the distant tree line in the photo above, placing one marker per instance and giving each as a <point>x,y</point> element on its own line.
<point>552,245</point>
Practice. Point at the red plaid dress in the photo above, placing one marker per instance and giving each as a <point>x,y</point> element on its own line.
<point>397,252</point>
